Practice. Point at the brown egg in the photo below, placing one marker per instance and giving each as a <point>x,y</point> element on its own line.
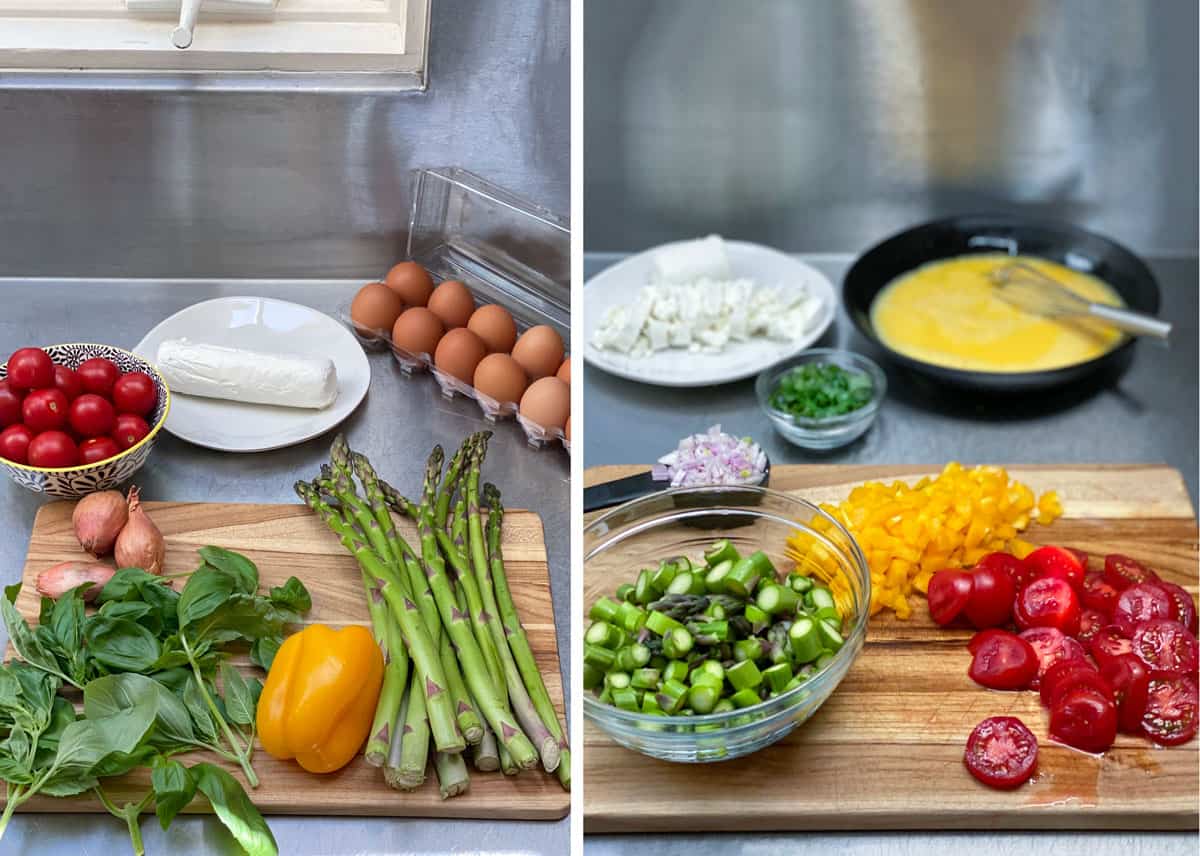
<point>453,303</point>
<point>495,326</point>
<point>539,351</point>
<point>564,371</point>
<point>417,331</point>
<point>500,377</point>
<point>567,429</point>
<point>547,402</point>
<point>459,353</point>
<point>411,282</point>
<point>375,307</point>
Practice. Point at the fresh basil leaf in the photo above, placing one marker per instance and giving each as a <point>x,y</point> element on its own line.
<point>66,620</point>
<point>115,694</point>
<point>120,644</point>
<point>30,648</point>
<point>124,706</point>
<point>202,721</point>
<point>206,590</point>
<point>62,714</point>
<point>11,592</point>
<point>292,595</point>
<point>68,784</point>
<point>45,610</point>
<point>128,584</point>
<point>235,810</point>
<point>120,763</point>
<point>12,770</point>
<point>133,610</point>
<point>263,651</point>
<point>241,569</point>
<point>239,702</point>
<point>85,743</point>
<point>174,789</point>
<point>241,616</point>
<point>175,679</point>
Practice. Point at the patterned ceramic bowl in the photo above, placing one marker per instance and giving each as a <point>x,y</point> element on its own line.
<point>74,482</point>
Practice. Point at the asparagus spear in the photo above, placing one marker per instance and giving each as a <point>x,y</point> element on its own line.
<point>515,634</point>
<point>414,747</point>
<point>395,675</point>
<point>391,766</point>
<point>453,777</point>
<point>486,754</point>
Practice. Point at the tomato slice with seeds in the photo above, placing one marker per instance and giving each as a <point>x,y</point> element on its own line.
<point>1057,562</point>
<point>991,600</point>
<point>1091,622</point>
<point>1004,661</point>
<point>1130,681</point>
<point>1084,718</point>
<point>1098,593</point>
<point>1048,602</point>
<point>1183,608</point>
<point>1019,572</point>
<point>1142,602</point>
<point>1001,752</point>
<point>1166,647</point>
<point>1051,645</point>
<point>1109,643</point>
<point>983,636</point>
<point>1123,572</point>
<point>1171,705</point>
<point>1066,675</point>
<point>948,593</point>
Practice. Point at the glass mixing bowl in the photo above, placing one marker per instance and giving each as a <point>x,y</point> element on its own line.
<point>686,521</point>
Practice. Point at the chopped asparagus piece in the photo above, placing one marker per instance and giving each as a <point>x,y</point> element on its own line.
<point>744,675</point>
<point>745,698</point>
<point>603,610</point>
<point>721,551</point>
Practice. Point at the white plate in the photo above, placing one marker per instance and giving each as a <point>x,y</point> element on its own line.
<point>677,366</point>
<point>260,324</point>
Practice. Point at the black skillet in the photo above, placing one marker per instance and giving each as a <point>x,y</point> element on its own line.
<point>1000,233</point>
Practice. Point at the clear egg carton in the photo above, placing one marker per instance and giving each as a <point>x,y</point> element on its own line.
<point>506,251</point>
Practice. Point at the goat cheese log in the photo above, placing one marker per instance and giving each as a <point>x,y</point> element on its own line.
<point>214,371</point>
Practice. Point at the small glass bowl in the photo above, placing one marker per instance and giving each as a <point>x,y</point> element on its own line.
<point>686,521</point>
<point>829,432</point>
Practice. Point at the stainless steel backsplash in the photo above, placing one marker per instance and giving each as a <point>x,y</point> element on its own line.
<point>177,184</point>
<point>823,125</point>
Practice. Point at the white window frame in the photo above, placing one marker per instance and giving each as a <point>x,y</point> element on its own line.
<point>339,43</point>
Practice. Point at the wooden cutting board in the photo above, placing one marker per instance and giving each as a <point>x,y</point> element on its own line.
<point>885,751</point>
<point>289,540</point>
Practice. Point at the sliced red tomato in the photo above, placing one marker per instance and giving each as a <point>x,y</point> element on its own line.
<point>1183,608</point>
<point>1066,675</point>
<point>991,600</point>
<point>1130,681</point>
<point>1004,661</point>
<point>1171,707</point>
<point>1078,554</point>
<point>1057,562</point>
<point>1018,571</point>
<point>1048,602</point>
<point>1109,643</point>
<point>1001,752</point>
<point>948,594</point>
<point>1138,603</point>
<point>1124,572</point>
<point>1091,622</point>
<point>1166,647</point>
<point>1084,718</point>
<point>1099,593</point>
<point>982,636</point>
<point>1051,645</point>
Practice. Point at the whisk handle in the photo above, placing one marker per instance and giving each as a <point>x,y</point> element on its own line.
<point>1136,323</point>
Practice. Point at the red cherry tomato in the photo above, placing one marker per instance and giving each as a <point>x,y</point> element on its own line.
<point>53,449</point>
<point>1018,571</point>
<point>983,636</point>
<point>98,375</point>
<point>1166,647</point>
<point>10,404</point>
<point>948,594</point>
<point>14,443</point>
<point>68,381</point>
<point>1065,676</point>
<point>1051,645</point>
<point>1057,562</point>
<point>1098,593</point>
<point>130,430</point>
<point>1084,718</point>
<point>1138,603</point>
<point>991,600</point>
<point>92,416</point>
<point>1091,622</point>
<point>1123,572</point>
<point>1183,609</point>
<point>1130,681</point>
<point>1108,644</point>
<point>1048,602</point>
<point>135,393</point>
<point>30,368</point>
<point>1004,661</point>
<point>98,449</point>
<point>45,409</point>
<point>1171,707</point>
<point>1001,752</point>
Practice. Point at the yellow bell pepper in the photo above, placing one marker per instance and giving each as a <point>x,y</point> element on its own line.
<point>319,697</point>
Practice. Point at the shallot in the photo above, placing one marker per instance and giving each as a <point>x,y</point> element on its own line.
<point>98,520</point>
<point>140,544</point>
<point>56,581</point>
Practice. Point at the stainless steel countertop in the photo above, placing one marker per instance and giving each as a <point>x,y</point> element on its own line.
<point>1150,414</point>
<point>396,425</point>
